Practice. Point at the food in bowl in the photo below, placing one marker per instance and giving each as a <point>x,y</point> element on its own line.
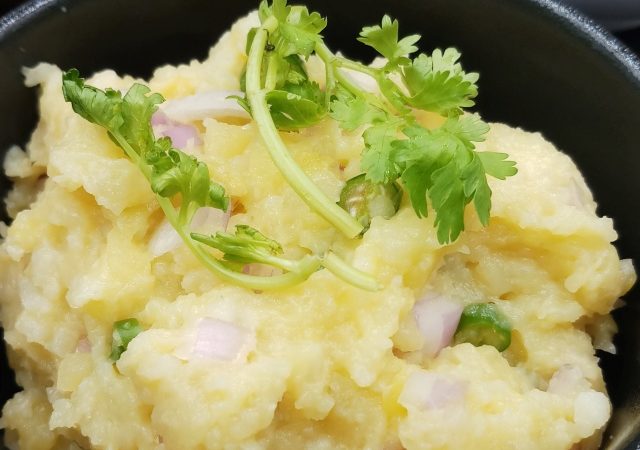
<point>121,336</point>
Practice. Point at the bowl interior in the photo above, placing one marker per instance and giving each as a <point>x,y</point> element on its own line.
<point>542,68</point>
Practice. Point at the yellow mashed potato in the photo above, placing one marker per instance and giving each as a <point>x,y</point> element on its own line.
<point>331,366</point>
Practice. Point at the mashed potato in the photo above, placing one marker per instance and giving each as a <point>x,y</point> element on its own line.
<point>326,365</point>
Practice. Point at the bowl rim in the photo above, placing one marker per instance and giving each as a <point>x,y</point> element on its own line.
<point>602,40</point>
<point>588,29</point>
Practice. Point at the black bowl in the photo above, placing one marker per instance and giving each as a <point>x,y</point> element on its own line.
<point>543,67</point>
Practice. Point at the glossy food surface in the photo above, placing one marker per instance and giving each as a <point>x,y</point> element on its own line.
<point>538,70</point>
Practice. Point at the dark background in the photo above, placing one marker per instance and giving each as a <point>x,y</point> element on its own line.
<point>630,37</point>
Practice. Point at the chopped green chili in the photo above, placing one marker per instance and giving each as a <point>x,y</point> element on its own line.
<point>484,324</point>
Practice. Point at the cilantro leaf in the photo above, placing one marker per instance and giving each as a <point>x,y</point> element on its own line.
<point>476,187</point>
<point>441,165</point>
<point>449,199</point>
<point>422,154</point>
<point>137,109</point>
<point>297,30</point>
<point>100,107</point>
<point>496,165</point>
<point>242,101</point>
<point>300,32</point>
<point>247,245</point>
<point>475,180</point>
<point>127,117</point>
<point>378,157</point>
<point>437,83</point>
<point>384,39</point>
<point>353,112</point>
<point>467,128</point>
<point>296,105</point>
<point>128,121</point>
<point>175,172</point>
<point>291,70</point>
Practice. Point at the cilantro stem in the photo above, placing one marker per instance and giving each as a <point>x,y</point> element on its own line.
<point>171,172</point>
<point>272,73</point>
<point>301,271</point>
<point>133,155</point>
<point>298,272</point>
<point>329,59</point>
<point>330,84</point>
<point>183,215</point>
<point>386,84</point>
<point>299,181</point>
<point>333,63</point>
<point>337,266</point>
<point>357,66</point>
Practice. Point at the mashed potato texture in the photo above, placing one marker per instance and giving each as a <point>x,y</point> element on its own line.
<point>327,366</point>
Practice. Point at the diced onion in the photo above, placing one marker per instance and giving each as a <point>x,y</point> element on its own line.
<point>567,380</point>
<point>221,340</point>
<point>362,80</point>
<point>213,104</point>
<point>182,135</point>
<point>84,345</point>
<point>164,239</point>
<point>437,318</point>
<point>427,391</point>
<point>206,220</point>
<point>577,196</point>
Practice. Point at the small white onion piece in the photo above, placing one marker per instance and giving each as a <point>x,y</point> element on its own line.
<point>84,345</point>
<point>206,220</point>
<point>221,340</point>
<point>182,135</point>
<point>164,239</point>
<point>428,391</point>
<point>362,80</point>
<point>212,104</point>
<point>577,196</point>
<point>568,380</point>
<point>437,318</point>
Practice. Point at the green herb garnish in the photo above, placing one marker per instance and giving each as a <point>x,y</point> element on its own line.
<point>248,246</point>
<point>123,332</point>
<point>176,177</point>
<point>484,324</point>
<point>439,167</point>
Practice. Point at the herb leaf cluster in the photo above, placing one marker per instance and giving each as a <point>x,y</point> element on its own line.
<point>439,168</point>
<point>178,178</point>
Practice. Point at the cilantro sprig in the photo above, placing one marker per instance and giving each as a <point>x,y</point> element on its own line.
<point>178,178</point>
<point>439,168</point>
<point>276,49</point>
<point>247,245</point>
